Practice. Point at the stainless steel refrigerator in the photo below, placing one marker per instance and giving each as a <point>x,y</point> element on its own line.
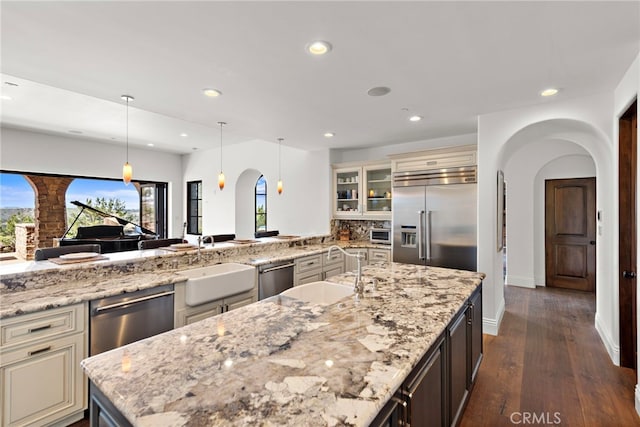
<point>435,218</point>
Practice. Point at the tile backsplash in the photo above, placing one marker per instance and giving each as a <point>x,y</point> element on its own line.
<point>358,228</point>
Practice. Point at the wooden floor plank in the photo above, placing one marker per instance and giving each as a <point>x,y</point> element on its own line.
<point>550,363</point>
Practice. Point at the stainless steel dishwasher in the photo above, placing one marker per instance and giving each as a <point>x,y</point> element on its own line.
<point>274,278</point>
<point>122,319</point>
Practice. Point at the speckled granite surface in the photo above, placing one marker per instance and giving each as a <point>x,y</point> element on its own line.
<point>35,286</point>
<point>285,362</point>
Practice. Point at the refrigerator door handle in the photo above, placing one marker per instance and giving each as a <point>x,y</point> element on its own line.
<point>420,236</point>
<point>428,235</point>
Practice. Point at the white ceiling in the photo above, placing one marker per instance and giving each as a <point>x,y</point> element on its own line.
<point>446,61</point>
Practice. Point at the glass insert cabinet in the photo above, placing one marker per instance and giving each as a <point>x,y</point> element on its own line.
<point>362,191</point>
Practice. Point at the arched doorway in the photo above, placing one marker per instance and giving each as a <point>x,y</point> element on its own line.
<point>555,134</point>
<point>245,203</point>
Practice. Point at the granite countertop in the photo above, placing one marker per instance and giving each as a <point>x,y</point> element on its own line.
<point>44,285</point>
<point>281,361</point>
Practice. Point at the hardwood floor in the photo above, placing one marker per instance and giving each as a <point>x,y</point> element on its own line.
<point>548,366</point>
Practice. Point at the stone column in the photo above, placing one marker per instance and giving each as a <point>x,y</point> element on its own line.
<point>50,212</point>
<point>25,240</point>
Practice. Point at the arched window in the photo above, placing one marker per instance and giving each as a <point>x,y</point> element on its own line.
<point>261,204</point>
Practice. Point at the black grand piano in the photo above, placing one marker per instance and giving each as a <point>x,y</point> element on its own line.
<point>111,238</point>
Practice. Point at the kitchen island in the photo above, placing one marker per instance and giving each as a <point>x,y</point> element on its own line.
<point>282,361</point>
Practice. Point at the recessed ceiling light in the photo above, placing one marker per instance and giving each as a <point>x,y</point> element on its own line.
<point>6,97</point>
<point>549,92</point>
<point>211,93</point>
<point>329,135</point>
<point>184,135</point>
<point>319,47</point>
<point>150,144</point>
<point>77,132</point>
<point>415,118</point>
<point>378,91</point>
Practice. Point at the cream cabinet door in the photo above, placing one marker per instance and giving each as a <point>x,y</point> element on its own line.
<point>42,383</point>
<point>197,314</point>
<point>352,263</point>
<point>237,301</point>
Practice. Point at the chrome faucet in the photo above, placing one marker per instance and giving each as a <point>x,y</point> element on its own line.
<point>358,287</point>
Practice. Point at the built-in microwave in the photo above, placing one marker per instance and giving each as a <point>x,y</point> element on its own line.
<point>380,235</point>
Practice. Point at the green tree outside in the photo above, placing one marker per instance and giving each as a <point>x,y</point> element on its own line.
<point>8,230</point>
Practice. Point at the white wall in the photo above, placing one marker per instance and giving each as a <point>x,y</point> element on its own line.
<point>26,151</point>
<point>522,174</point>
<point>584,121</point>
<point>303,208</point>
<point>381,153</point>
<point>571,166</point>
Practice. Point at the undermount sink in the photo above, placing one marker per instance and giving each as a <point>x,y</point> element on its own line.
<point>324,293</point>
<point>218,281</point>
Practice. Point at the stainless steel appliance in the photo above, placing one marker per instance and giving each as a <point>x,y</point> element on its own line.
<point>274,278</point>
<point>435,217</point>
<point>380,235</point>
<point>122,319</point>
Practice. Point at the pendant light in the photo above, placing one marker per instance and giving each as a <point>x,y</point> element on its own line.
<point>279,162</point>
<point>221,174</point>
<point>127,170</point>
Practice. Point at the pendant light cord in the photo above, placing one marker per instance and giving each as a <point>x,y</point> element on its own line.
<point>280,158</point>
<point>127,130</point>
<point>221,124</point>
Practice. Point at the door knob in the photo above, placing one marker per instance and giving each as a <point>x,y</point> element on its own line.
<point>629,274</point>
<point>592,242</point>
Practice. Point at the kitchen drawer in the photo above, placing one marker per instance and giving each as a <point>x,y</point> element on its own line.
<point>308,263</point>
<point>336,258</point>
<point>23,330</point>
<point>379,255</point>
<point>333,270</point>
<point>309,278</point>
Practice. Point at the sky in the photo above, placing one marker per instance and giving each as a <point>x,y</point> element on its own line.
<point>15,191</point>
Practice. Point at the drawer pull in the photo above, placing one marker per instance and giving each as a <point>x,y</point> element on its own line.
<point>42,350</point>
<point>39,328</point>
<point>310,263</point>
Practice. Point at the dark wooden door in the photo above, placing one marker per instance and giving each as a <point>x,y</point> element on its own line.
<point>570,233</point>
<point>628,136</point>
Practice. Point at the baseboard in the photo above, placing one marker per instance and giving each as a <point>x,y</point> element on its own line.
<point>492,326</point>
<point>612,349</point>
<point>520,281</point>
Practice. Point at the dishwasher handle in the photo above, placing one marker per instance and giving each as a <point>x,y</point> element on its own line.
<point>133,301</point>
<point>279,267</point>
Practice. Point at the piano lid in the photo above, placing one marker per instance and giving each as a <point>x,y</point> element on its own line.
<point>122,221</point>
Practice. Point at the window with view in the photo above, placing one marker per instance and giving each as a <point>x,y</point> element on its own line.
<point>110,197</point>
<point>261,204</point>
<point>194,207</point>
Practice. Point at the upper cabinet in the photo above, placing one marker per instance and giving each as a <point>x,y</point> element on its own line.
<point>347,191</point>
<point>377,189</point>
<point>362,191</point>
